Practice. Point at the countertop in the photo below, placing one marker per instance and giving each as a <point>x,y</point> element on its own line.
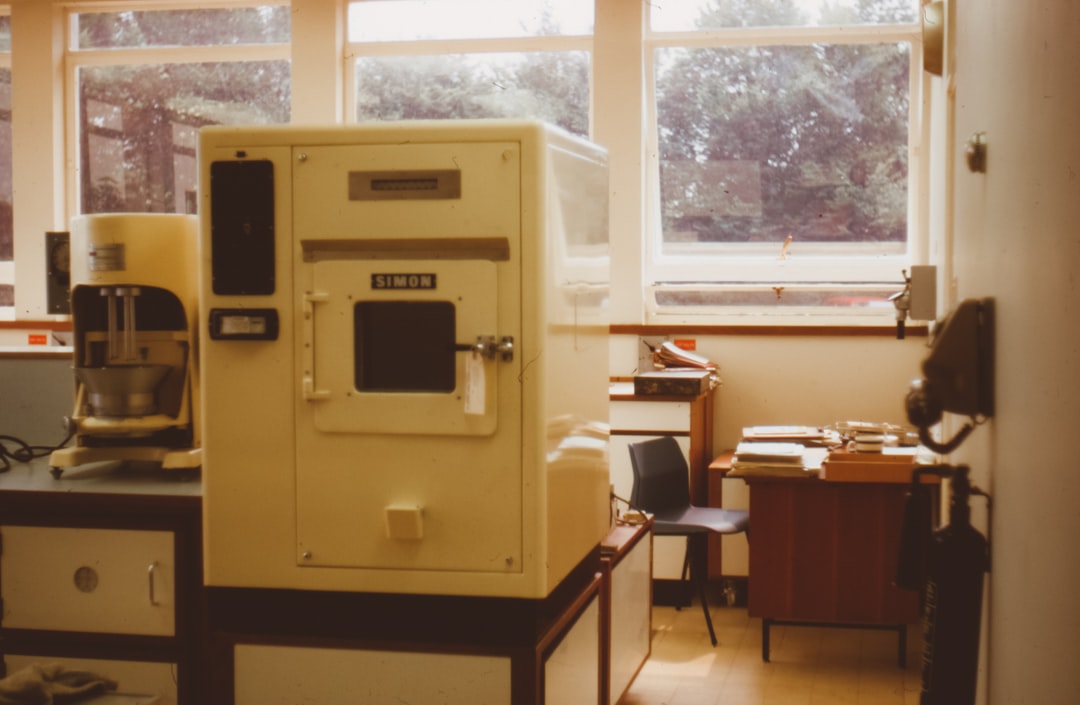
<point>103,478</point>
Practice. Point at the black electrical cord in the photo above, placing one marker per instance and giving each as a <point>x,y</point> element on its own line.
<point>24,452</point>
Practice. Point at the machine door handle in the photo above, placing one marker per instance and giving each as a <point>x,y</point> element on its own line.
<point>487,346</point>
<point>307,357</point>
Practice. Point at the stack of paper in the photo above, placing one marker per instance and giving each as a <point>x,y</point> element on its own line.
<point>774,459</point>
<point>804,435</point>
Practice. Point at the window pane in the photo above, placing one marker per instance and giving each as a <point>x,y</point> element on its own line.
<point>408,20</point>
<point>762,298</point>
<point>5,33</point>
<point>138,123</point>
<point>176,28</point>
<point>686,15</point>
<point>550,86</point>
<point>758,144</point>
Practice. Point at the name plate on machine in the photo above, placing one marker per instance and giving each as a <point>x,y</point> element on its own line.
<point>404,281</point>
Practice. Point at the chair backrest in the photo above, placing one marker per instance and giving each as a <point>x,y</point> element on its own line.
<point>661,476</point>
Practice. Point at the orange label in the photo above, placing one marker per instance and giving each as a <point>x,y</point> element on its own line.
<point>37,339</point>
<point>685,343</point>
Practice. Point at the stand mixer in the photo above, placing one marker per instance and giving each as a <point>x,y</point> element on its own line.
<point>134,304</point>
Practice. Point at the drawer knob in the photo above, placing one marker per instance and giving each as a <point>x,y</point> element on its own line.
<point>86,579</point>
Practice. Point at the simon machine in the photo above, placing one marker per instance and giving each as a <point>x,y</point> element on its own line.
<point>404,358</point>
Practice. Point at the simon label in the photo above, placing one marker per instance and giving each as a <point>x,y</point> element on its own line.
<point>402,281</point>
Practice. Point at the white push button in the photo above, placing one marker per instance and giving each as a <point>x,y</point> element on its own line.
<point>404,523</point>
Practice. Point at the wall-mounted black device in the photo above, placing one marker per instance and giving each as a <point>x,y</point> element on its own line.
<point>958,374</point>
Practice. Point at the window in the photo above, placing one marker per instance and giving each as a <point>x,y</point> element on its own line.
<point>733,124</point>
<point>146,80</point>
<point>440,59</point>
<point>782,135</point>
<point>7,227</point>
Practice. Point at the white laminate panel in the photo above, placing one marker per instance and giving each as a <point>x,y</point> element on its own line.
<point>572,671</point>
<point>88,580</point>
<point>287,675</point>
<point>631,617</point>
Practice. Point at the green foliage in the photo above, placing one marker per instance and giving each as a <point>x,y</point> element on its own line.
<point>548,86</point>
<point>132,114</point>
<point>764,142</point>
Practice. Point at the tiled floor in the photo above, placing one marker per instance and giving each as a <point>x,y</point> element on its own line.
<point>807,666</point>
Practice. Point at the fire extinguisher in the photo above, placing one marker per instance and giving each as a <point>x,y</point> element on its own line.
<point>953,560</point>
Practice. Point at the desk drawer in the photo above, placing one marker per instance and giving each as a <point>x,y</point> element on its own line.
<point>87,580</point>
<point>653,416</point>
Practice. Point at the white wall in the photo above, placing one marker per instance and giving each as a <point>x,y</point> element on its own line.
<point>35,396</point>
<point>1016,71</point>
<point>816,380</point>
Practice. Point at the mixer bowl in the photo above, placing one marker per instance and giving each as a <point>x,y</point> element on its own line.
<point>122,390</point>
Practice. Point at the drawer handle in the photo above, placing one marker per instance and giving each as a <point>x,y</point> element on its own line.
<point>150,576</point>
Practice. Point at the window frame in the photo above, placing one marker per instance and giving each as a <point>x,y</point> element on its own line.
<point>75,59</point>
<point>7,267</point>
<point>355,50</point>
<point>621,117</point>
<point>809,265</point>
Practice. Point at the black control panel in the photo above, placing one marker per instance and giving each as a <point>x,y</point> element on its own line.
<point>242,227</point>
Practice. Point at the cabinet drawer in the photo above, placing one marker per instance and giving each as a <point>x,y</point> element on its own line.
<point>88,580</point>
<point>656,416</point>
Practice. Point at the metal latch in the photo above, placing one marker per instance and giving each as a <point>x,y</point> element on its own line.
<point>487,346</point>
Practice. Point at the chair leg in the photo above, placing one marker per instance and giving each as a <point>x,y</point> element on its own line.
<point>683,576</point>
<point>698,575</point>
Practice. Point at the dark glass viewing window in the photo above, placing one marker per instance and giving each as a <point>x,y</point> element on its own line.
<point>404,346</point>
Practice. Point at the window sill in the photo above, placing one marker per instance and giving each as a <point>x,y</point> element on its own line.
<point>770,328</point>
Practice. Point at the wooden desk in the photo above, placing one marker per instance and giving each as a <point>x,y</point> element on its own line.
<point>825,553</point>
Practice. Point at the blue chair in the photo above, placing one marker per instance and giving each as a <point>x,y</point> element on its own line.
<point>662,488</point>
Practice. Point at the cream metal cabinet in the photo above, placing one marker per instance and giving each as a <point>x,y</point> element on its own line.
<point>101,571</point>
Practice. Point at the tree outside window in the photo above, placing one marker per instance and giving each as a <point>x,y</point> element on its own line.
<point>138,121</point>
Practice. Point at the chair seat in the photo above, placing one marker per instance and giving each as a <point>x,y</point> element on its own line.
<point>697,520</point>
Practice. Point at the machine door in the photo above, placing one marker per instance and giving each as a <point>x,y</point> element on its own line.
<point>403,347</point>
<point>408,434</point>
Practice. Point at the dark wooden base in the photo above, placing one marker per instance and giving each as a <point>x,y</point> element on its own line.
<point>525,630</point>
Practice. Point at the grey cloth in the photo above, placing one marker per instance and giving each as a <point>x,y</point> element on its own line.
<point>46,684</point>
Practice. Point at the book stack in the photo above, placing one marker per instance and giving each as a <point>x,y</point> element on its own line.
<point>776,459</point>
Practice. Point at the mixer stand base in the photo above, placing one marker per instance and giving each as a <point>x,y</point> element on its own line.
<point>169,458</point>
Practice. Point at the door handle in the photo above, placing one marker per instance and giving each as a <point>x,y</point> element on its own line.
<point>308,388</point>
<point>487,346</point>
